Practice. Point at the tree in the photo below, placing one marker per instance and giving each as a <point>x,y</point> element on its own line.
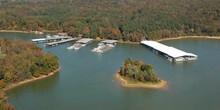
<point>138,71</point>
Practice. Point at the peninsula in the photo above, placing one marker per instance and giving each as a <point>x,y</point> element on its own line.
<point>137,74</point>
<point>21,61</point>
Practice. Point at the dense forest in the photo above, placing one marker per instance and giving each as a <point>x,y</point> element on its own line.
<point>138,71</point>
<point>22,60</point>
<point>128,20</point>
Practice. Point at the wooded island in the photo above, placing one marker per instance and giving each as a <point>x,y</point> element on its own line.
<point>139,74</point>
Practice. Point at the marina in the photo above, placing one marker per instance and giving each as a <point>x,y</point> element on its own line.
<point>171,53</point>
<point>189,83</point>
<point>60,42</point>
<point>80,43</point>
<point>105,46</point>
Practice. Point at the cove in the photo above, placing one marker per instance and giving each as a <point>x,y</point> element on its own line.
<point>86,82</point>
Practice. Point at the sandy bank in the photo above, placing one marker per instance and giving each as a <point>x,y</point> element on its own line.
<point>35,32</point>
<point>124,83</point>
<point>182,37</point>
<point>14,85</point>
<point>13,31</point>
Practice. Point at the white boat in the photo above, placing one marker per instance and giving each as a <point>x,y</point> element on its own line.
<point>56,36</point>
<point>100,44</point>
<point>70,47</point>
<point>179,59</point>
<point>48,36</point>
<point>76,46</point>
<point>83,45</point>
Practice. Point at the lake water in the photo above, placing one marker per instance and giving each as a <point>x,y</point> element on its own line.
<point>86,82</point>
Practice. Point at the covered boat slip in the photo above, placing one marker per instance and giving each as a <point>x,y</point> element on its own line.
<point>48,39</point>
<point>105,46</point>
<point>84,41</point>
<point>59,42</point>
<point>80,43</point>
<point>171,53</point>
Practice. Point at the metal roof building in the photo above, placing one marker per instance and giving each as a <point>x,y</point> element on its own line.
<point>171,53</point>
<point>59,42</point>
<point>84,40</point>
<point>49,39</point>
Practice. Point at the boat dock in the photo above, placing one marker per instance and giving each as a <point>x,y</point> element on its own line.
<point>59,42</point>
<point>105,46</point>
<point>80,43</point>
<point>84,41</point>
<point>171,53</point>
<point>49,39</point>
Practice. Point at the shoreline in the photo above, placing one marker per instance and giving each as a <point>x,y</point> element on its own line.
<point>34,32</point>
<point>14,31</point>
<point>120,41</point>
<point>163,84</point>
<point>14,85</point>
<point>183,37</point>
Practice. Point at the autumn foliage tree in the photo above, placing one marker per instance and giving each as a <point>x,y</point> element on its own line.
<point>138,71</point>
<point>128,20</point>
<point>24,60</point>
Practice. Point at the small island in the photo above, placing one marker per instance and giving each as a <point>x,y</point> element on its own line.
<point>139,75</point>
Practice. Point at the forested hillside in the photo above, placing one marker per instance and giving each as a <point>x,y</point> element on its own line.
<point>22,60</point>
<point>114,19</point>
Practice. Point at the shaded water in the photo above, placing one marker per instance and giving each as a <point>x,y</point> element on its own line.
<point>85,81</point>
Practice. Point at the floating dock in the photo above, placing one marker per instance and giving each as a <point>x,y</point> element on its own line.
<point>171,53</point>
<point>104,46</point>
<point>80,43</point>
<point>59,42</point>
<point>49,39</point>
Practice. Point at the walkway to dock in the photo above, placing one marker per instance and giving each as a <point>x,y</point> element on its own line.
<point>171,53</point>
<point>49,39</point>
<point>59,42</point>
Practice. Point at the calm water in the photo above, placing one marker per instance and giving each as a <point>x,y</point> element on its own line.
<point>85,81</point>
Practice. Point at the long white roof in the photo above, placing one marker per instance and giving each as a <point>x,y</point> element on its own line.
<point>171,51</point>
<point>54,38</point>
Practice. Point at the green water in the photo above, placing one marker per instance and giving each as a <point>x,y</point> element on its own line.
<point>85,81</point>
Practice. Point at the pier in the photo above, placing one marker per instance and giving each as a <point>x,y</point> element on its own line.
<point>171,53</point>
<point>59,42</point>
<point>49,39</point>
